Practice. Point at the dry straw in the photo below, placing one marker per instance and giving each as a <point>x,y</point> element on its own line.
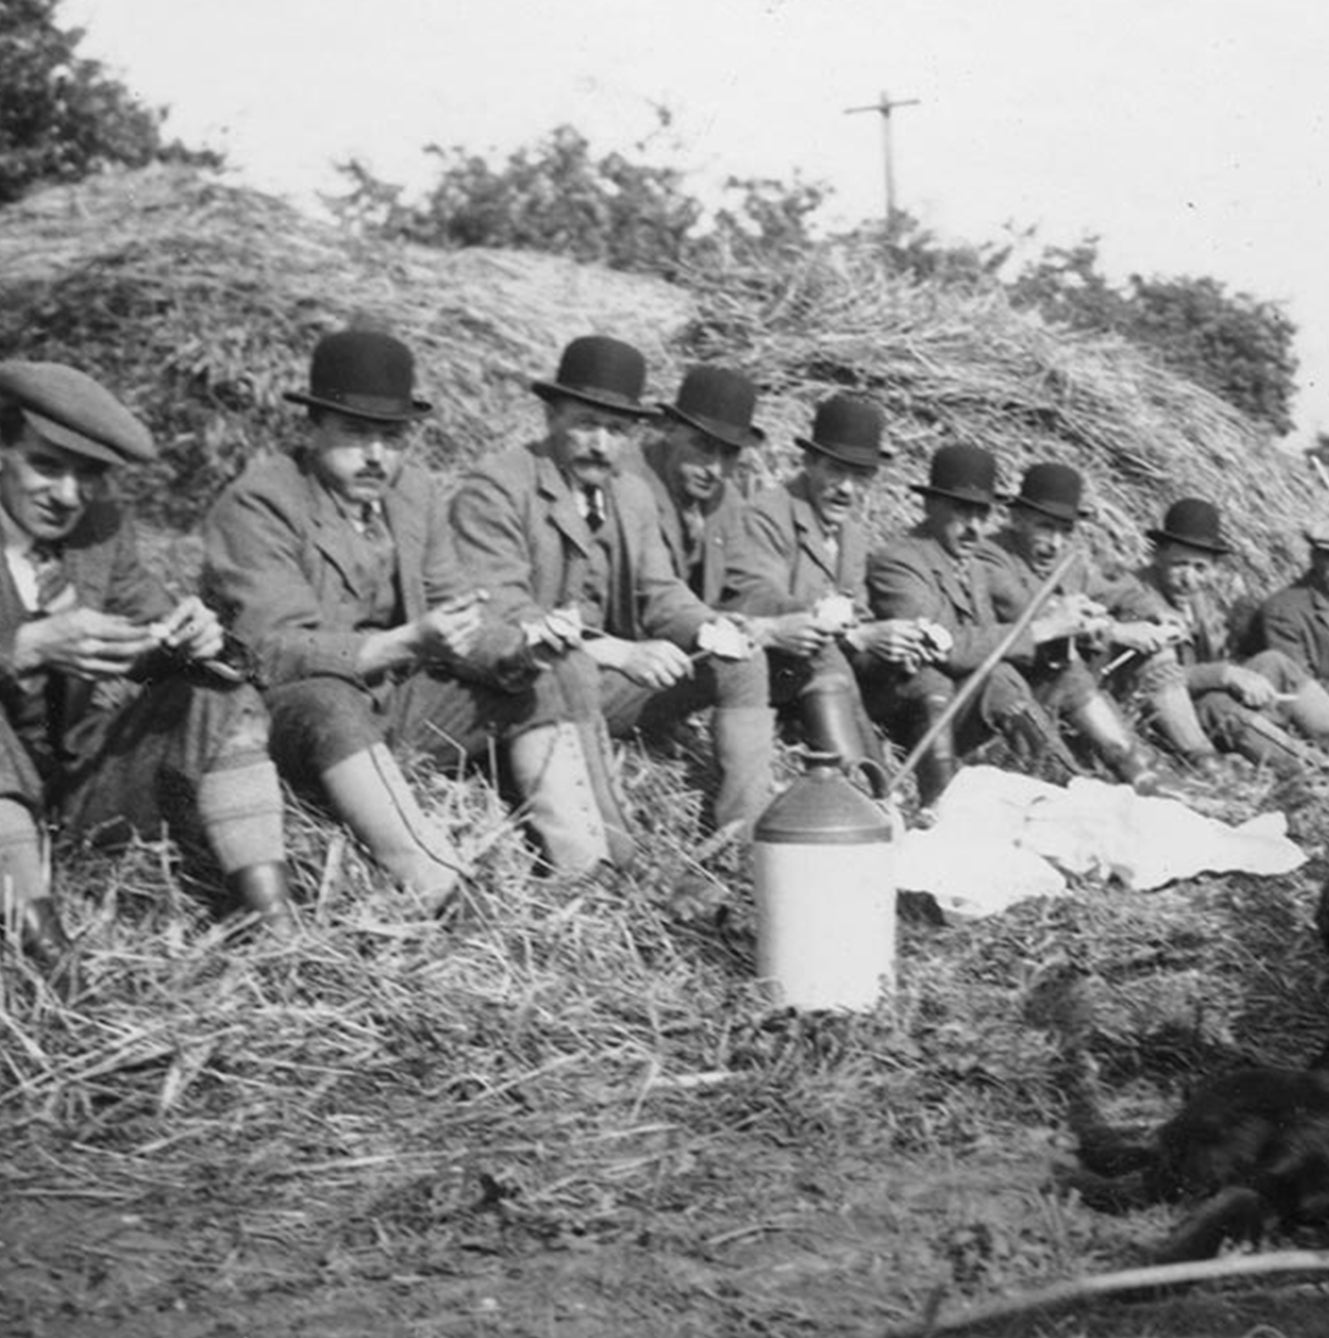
<point>591,1063</point>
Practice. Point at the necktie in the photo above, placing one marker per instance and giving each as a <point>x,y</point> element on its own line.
<point>595,507</point>
<point>49,567</point>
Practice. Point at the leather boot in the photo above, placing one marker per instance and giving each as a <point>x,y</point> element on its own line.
<point>1268,744</point>
<point>744,741</point>
<point>44,942</point>
<point>1033,737</point>
<point>938,765</point>
<point>369,793</point>
<point>1110,737</point>
<point>550,769</point>
<point>834,721</point>
<point>261,889</point>
<point>1172,715</point>
<point>598,749</point>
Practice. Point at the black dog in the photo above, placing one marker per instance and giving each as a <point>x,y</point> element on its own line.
<point>1248,1151</point>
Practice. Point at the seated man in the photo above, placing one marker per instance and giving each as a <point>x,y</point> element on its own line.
<point>934,573</point>
<point>1019,558</point>
<point>571,549</point>
<point>689,464</point>
<point>1243,707</point>
<point>118,715</point>
<point>335,565</point>
<point>798,577</point>
<point>1295,620</point>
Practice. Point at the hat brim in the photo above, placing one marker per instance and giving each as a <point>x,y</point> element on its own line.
<point>973,496</point>
<point>1068,515</point>
<point>375,414</point>
<point>552,390</point>
<point>1187,541</point>
<point>846,455</point>
<point>69,439</point>
<point>725,433</point>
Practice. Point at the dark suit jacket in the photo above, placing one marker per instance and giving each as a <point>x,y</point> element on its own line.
<point>914,577</point>
<point>1295,620</point>
<point>519,531</point>
<point>279,569</point>
<point>781,564</point>
<point>721,531</point>
<point>102,561</point>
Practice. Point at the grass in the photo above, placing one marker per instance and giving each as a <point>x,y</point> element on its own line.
<point>585,1086</point>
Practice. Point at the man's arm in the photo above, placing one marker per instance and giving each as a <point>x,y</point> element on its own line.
<point>254,575</point>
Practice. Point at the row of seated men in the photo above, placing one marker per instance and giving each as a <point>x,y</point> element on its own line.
<point>604,578</point>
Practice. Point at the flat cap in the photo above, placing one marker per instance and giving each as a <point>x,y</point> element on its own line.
<point>69,408</point>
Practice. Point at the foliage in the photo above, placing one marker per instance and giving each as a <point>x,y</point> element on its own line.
<point>61,116</point>
<point>557,196</point>
<point>1231,343</point>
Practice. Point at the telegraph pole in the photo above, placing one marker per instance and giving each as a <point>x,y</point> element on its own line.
<point>884,107</point>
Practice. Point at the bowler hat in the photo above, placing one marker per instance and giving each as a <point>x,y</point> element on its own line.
<point>963,473</point>
<point>848,428</point>
<point>69,408</point>
<point>718,402</point>
<point>363,374</point>
<point>1194,522</point>
<point>598,370</point>
<point>1052,490</point>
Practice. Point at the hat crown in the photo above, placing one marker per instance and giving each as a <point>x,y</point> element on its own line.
<point>717,393</point>
<point>75,412</point>
<point>719,402</point>
<point>848,428</point>
<point>964,472</point>
<point>1193,521</point>
<point>1054,489</point>
<point>358,367</point>
<point>598,364</point>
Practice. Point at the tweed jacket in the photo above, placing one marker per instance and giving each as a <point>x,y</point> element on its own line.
<point>782,563</point>
<point>1295,620</point>
<point>278,568</point>
<point>721,529</point>
<point>915,577</point>
<point>1209,646</point>
<point>1014,583</point>
<point>102,562</point>
<point>520,533</point>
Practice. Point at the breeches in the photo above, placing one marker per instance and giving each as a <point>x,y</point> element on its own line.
<point>318,722</point>
<point>137,765</point>
<point>720,683</point>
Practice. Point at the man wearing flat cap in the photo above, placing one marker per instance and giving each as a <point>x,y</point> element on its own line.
<point>799,577</point>
<point>118,713</point>
<point>1295,620</point>
<point>569,546</point>
<point>933,573</point>
<point>1265,707</point>
<point>1019,558</point>
<point>335,565</point>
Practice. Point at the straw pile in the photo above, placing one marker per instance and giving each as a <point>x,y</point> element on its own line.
<point>584,1079</point>
<point>199,304</point>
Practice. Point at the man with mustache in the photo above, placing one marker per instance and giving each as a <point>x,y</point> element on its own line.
<point>336,566</point>
<point>933,573</point>
<point>1019,557</point>
<point>118,714</point>
<point>798,576</point>
<point>569,546</point>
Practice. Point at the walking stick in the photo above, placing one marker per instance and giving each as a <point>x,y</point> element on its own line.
<point>975,680</point>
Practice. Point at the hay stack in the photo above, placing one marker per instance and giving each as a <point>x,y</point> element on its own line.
<point>200,302</point>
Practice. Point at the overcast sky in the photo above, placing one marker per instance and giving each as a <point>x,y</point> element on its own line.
<point>1190,135</point>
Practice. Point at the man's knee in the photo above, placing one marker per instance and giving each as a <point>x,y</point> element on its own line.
<point>741,682</point>
<point>319,722</point>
